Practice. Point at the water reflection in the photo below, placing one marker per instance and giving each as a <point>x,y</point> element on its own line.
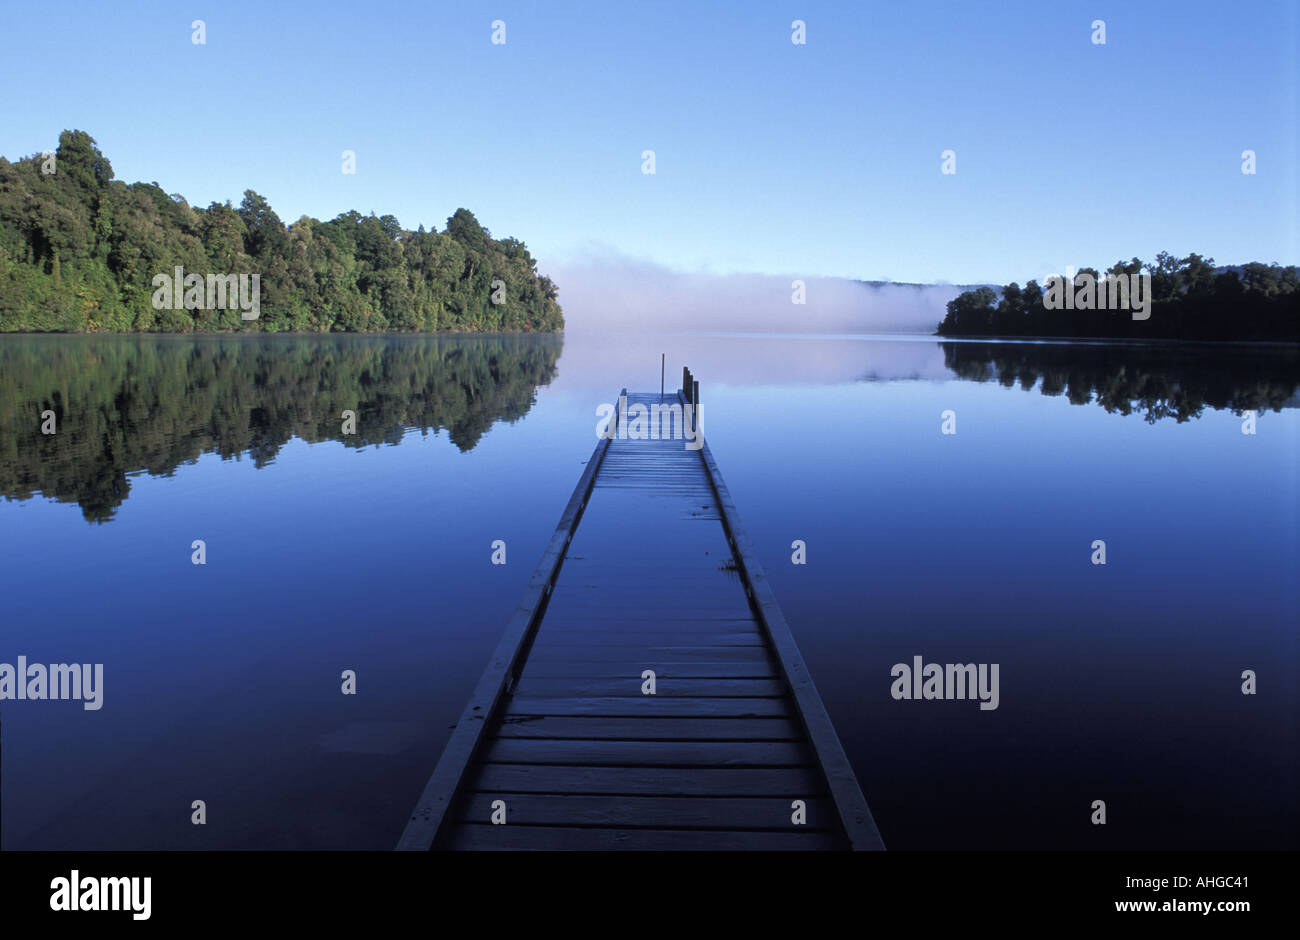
<point>1164,381</point>
<point>124,404</point>
<point>127,403</point>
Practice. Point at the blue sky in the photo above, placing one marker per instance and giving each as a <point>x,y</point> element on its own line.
<point>814,160</point>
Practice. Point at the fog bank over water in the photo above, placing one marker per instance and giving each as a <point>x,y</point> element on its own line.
<point>611,291</point>
<point>611,359</point>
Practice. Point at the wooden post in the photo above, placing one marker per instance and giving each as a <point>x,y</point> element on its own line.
<point>695,400</point>
<point>663,359</point>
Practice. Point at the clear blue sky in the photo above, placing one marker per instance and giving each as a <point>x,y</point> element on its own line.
<point>817,160</point>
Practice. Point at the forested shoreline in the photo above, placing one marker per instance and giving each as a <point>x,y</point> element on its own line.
<point>1190,299</point>
<point>80,252</point>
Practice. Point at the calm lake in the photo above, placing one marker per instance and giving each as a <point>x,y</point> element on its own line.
<point>371,552</point>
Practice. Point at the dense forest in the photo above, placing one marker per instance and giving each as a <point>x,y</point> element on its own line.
<point>125,404</point>
<point>79,252</point>
<point>1191,300</point>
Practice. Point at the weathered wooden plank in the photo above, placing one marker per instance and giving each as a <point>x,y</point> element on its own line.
<point>599,670</point>
<point>651,706</point>
<point>650,567</point>
<point>530,688</point>
<point>595,603</point>
<point>672,812</point>
<point>646,619</point>
<point>648,728</point>
<point>711,579</point>
<point>652,614</point>
<point>663,781</point>
<point>647,656</point>
<point>710,592</point>
<point>640,639</point>
<point>648,753</point>
<point>485,837</point>
<point>655,471</point>
<point>617,631</point>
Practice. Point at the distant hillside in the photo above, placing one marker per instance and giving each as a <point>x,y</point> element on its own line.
<point>83,252</point>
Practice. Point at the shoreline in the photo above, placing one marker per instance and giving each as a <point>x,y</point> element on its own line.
<point>1115,340</point>
<point>263,333</point>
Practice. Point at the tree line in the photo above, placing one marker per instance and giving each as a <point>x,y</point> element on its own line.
<point>79,251</point>
<point>1191,299</point>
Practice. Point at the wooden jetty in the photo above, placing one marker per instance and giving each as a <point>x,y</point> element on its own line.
<point>649,571</point>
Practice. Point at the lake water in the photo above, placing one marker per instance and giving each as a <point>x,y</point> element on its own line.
<point>371,552</point>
